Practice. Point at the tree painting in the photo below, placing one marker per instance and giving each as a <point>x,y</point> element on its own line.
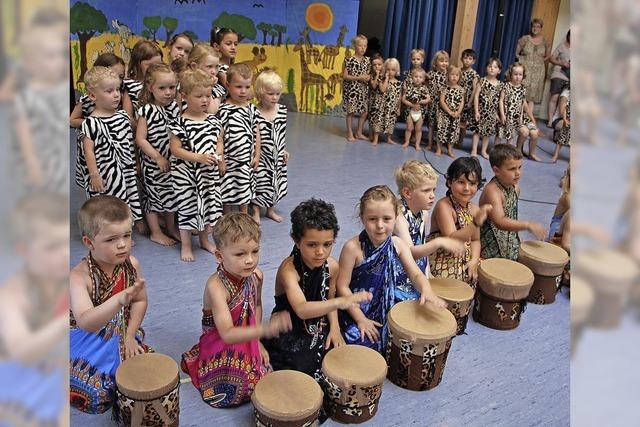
<point>290,81</point>
<point>240,24</point>
<point>281,29</point>
<point>170,25</point>
<point>265,28</point>
<point>86,21</point>
<point>273,33</point>
<point>153,24</point>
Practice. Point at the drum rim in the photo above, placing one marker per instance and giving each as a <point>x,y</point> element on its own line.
<point>147,395</point>
<point>463,286</point>
<point>340,377</point>
<point>417,336</point>
<point>298,413</point>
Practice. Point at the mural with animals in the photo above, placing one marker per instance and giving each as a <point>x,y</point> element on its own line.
<point>306,42</point>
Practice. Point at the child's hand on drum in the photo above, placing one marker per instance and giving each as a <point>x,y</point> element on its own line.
<point>334,339</point>
<point>132,347</point>
<point>472,269</point>
<point>264,354</point>
<point>537,230</point>
<point>431,297</point>
<point>369,328</point>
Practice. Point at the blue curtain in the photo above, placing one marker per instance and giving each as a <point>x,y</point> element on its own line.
<point>426,24</point>
<point>517,17</point>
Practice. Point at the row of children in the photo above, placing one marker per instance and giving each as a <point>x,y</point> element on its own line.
<point>184,139</point>
<point>450,99</point>
<point>388,262</point>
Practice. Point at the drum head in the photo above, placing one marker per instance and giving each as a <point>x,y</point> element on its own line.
<point>147,376</point>
<point>451,289</point>
<point>505,279</point>
<point>608,271</point>
<point>354,364</point>
<point>543,258</point>
<point>414,321</point>
<point>287,395</point>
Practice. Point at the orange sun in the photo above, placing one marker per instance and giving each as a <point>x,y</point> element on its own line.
<point>319,17</point>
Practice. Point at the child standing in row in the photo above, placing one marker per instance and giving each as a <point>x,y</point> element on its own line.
<point>241,126</point>
<point>180,46</point>
<point>451,105</point>
<point>197,149</point>
<point>385,119</point>
<point>232,319</point>
<point>158,109</point>
<point>416,57</point>
<point>271,176</point>
<point>486,100</point>
<point>415,97</point>
<point>204,57</point>
<point>225,41</point>
<point>355,88</point>
<point>378,78</point>
<point>143,54</point>
<point>468,81</point>
<point>436,80</point>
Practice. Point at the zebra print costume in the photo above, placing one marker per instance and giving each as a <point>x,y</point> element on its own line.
<point>113,146</point>
<point>133,88</point>
<point>218,91</point>
<point>239,124</point>
<point>157,185</point>
<point>271,176</point>
<point>196,186</point>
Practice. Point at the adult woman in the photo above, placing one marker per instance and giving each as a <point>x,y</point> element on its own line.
<point>560,58</point>
<point>532,52</point>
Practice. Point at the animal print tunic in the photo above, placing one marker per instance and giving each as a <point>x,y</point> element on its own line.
<point>466,81</point>
<point>488,100</point>
<point>355,93</point>
<point>436,80</point>
<point>133,88</point>
<point>414,94</point>
<point>271,176</point>
<point>449,127</point>
<point>385,120</point>
<point>375,99</point>
<point>514,99</point>
<point>564,135</point>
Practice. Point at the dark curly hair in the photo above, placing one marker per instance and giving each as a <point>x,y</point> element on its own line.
<point>467,166</point>
<point>313,213</point>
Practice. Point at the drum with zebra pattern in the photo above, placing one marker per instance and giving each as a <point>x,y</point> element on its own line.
<point>418,343</point>
<point>458,296</point>
<point>547,262</point>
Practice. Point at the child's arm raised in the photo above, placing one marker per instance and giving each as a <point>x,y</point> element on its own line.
<point>76,119</point>
<point>493,196</point>
<point>95,179</point>
<point>444,217</point>
<point>137,311</point>
<point>385,83</point>
<point>474,262</point>
<point>181,153</point>
<point>416,276</point>
<point>147,148</point>
<point>453,246</point>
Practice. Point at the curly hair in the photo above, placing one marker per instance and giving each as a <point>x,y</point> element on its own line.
<point>313,214</point>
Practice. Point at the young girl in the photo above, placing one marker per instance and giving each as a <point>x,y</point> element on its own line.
<point>455,216</point>
<point>385,120</point>
<point>106,159</point>
<point>197,150</point>
<point>375,95</point>
<point>305,291</point>
<point>143,54</point>
<point>486,98</point>
<point>436,81</point>
<point>225,41</point>
<point>204,57</point>
<point>355,90</point>
<point>271,176</point>
<point>451,106</point>
<point>157,109</point>
<point>241,126</point>
<point>515,115</point>
<point>416,57</point>
<point>229,359</point>
<point>469,81</point>
<point>562,125</point>
<point>372,262</point>
<point>415,97</point>
<point>180,46</point>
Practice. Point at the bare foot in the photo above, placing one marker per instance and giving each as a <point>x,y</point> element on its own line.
<point>208,246</point>
<point>405,145</point>
<point>534,157</point>
<point>362,137</point>
<point>162,239</point>
<point>186,254</point>
<point>271,213</point>
<point>142,228</point>
<point>391,141</point>
<point>256,214</point>
<point>374,142</point>
<point>485,155</point>
<point>450,154</point>
<point>350,138</point>
<point>174,234</point>
<point>473,154</point>
<point>554,159</point>
<point>418,148</point>
<point>429,147</point>
<point>438,153</point>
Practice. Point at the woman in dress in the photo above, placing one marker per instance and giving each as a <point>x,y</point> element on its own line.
<point>532,52</point>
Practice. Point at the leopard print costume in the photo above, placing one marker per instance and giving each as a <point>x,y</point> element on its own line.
<point>564,135</point>
<point>385,120</point>
<point>449,127</point>
<point>514,99</point>
<point>468,115</point>
<point>355,94</point>
<point>414,94</point>
<point>488,99</point>
<point>375,100</point>
<point>436,80</point>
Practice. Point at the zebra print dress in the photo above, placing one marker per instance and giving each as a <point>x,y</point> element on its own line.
<point>157,185</point>
<point>239,124</point>
<point>271,176</point>
<point>133,88</point>
<point>113,146</point>
<point>196,186</point>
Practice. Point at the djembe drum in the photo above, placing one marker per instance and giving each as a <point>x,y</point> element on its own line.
<point>148,391</point>
<point>547,262</point>
<point>503,286</point>
<point>353,376</point>
<point>458,296</point>
<point>286,399</point>
<point>418,342</point>
<point>582,297</point>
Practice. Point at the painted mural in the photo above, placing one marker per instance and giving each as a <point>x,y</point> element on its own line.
<point>305,41</point>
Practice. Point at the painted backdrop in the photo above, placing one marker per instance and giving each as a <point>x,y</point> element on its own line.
<point>306,42</point>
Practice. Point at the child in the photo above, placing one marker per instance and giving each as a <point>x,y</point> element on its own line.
<point>271,176</point>
<point>469,81</point>
<point>451,106</point>
<point>157,109</point>
<point>354,97</point>
<point>385,120</point>
<point>305,291</point>
<point>180,46</point>
<point>225,41</point>
<point>415,97</point>
<point>108,304</point>
<point>417,57</point>
<point>241,124</point>
<point>486,98</point>
<point>229,359</point>
<point>375,95</point>
<point>436,81</point>
<point>143,54</point>
<point>417,189</point>
<point>456,217</point>
<point>563,205</point>
<point>205,58</point>
<point>562,125</point>
<point>197,149</point>
<point>106,160</point>
<point>371,262</point>
<point>499,234</point>
<point>515,115</point>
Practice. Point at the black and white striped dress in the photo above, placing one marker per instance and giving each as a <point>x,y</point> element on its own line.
<point>157,185</point>
<point>133,88</point>
<point>113,146</point>
<point>271,176</point>
<point>196,185</point>
<point>239,124</point>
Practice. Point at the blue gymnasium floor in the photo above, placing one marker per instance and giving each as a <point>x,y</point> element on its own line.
<point>497,378</point>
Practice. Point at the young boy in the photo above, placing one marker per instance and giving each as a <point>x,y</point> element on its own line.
<point>417,188</point>
<point>468,81</point>
<point>499,234</point>
<point>108,303</point>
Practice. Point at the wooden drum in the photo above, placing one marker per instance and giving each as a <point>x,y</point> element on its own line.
<point>503,286</point>
<point>458,296</point>
<point>286,399</point>
<point>353,376</point>
<point>582,297</point>
<point>148,391</point>
<point>547,262</point>
<point>418,342</point>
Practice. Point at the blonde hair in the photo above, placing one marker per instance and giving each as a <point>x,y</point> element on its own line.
<point>418,70</point>
<point>101,210</point>
<point>267,79</point>
<point>420,52</point>
<point>378,193</point>
<point>452,69</point>
<point>191,79</point>
<point>241,70</point>
<point>146,96</point>
<point>412,173</point>
<point>200,52</point>
<point>233,227</point>
<point>359,37</point>
<point>391,62</point>
<point>96,74</point>
<point>142,51</point>
<point>439,54</point>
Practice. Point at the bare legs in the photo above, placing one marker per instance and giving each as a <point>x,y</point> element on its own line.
<point>359,130</point>
<point>523,133</point>
<point>553,103</point>
<point>186,251</point>
<point>156,234</point>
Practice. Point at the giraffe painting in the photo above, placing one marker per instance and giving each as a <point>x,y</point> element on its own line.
<point>310,80</point>
<point>313,54</point>
<point>329,53</point>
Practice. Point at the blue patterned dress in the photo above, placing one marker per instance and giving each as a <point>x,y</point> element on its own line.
<point>404,288</point>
